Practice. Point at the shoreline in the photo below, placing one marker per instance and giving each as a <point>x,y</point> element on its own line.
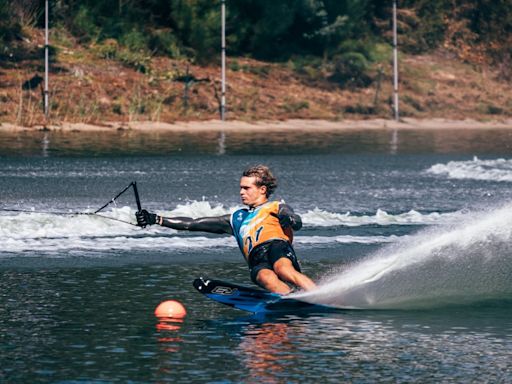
<point>287,125</point>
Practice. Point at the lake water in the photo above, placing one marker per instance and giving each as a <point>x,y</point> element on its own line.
<point>410,229</point>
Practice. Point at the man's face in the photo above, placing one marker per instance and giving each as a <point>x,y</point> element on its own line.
<point>250,193</point>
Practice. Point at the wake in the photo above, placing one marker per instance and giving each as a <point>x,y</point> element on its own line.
<point>62,232</point>
<point>467,263</point>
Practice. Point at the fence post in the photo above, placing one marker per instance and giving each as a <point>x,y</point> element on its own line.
<point>46,59</point>
<point>223,59</point>
<point>395,65</point>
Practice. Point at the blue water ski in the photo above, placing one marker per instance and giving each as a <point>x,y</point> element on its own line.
<point>250,299</point>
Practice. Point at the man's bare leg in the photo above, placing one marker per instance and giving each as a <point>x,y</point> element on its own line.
<point>268,279</point>
<point>285,271</point>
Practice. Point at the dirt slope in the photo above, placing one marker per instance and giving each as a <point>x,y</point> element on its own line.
<point>87,87</point>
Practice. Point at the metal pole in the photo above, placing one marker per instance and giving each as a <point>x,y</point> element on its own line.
<point>46,60</point>
<point>395,65</point>
<point>223,49</point>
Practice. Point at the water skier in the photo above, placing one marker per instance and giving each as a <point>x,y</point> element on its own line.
<point>264,232</point>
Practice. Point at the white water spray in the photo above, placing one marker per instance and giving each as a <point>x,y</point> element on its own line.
<point>467,263</point>
<point>33,231</point>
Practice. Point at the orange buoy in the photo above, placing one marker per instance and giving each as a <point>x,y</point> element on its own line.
<point>171,309</point>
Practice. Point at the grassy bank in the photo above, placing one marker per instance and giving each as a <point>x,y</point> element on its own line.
<point>101,84</point>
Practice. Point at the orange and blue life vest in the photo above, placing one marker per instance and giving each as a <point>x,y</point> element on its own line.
<point>252,227</point>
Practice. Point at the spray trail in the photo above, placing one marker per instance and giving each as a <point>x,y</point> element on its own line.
<point>467,263</point>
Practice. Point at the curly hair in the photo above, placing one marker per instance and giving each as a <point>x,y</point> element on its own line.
<point>263,177</point>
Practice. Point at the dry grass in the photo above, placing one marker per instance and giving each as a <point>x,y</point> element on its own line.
<point>89,89</point>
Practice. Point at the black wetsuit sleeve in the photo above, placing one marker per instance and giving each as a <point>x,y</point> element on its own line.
<point>294,220</point>
<point>217,224</point>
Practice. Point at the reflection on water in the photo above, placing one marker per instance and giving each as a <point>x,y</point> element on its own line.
<point>167,331</point>
<point>266,351</point>
<point>122,142</point>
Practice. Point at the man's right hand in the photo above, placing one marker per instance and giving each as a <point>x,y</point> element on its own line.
<point>145,218</point>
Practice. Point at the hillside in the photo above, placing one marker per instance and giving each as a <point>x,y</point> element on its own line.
<point>88,86</point>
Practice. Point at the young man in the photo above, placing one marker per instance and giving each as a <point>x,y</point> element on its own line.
<point>263,232</point>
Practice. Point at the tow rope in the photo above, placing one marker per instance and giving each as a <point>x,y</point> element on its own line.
<point>133,185</point>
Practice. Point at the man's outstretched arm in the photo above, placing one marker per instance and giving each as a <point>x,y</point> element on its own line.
<point>216,224</point>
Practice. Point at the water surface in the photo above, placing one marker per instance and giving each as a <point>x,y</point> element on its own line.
<point>412,226</point>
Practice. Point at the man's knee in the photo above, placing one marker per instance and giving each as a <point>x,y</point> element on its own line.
<point>264,276</point>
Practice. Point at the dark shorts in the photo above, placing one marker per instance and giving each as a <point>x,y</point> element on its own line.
<point>265,255</point>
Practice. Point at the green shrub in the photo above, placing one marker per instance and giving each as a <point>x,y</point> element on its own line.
<point>300,63</point>
<point>350,70</point>
<point>494,110</point>
<point>83,25</point>
<point>234,65</point>
<point>361,47</point>
<point>381,53</point>
<point>137,60</point>
<point>61,37</point>
<point>262,70</point>
<point>117,109</point>
<point>135,40</point>
<point>107,49</point>
<point>163,41</point>
<point>413,103</point>
<point>360,109</point>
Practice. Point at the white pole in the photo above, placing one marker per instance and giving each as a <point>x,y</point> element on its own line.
<point>395,65</point>
<point>223,49</point>
<point>46,60</point>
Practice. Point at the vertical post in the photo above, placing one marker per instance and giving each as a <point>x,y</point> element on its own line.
<point>395,65</point>
<point>46,59</point>
<point>223,49</point>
